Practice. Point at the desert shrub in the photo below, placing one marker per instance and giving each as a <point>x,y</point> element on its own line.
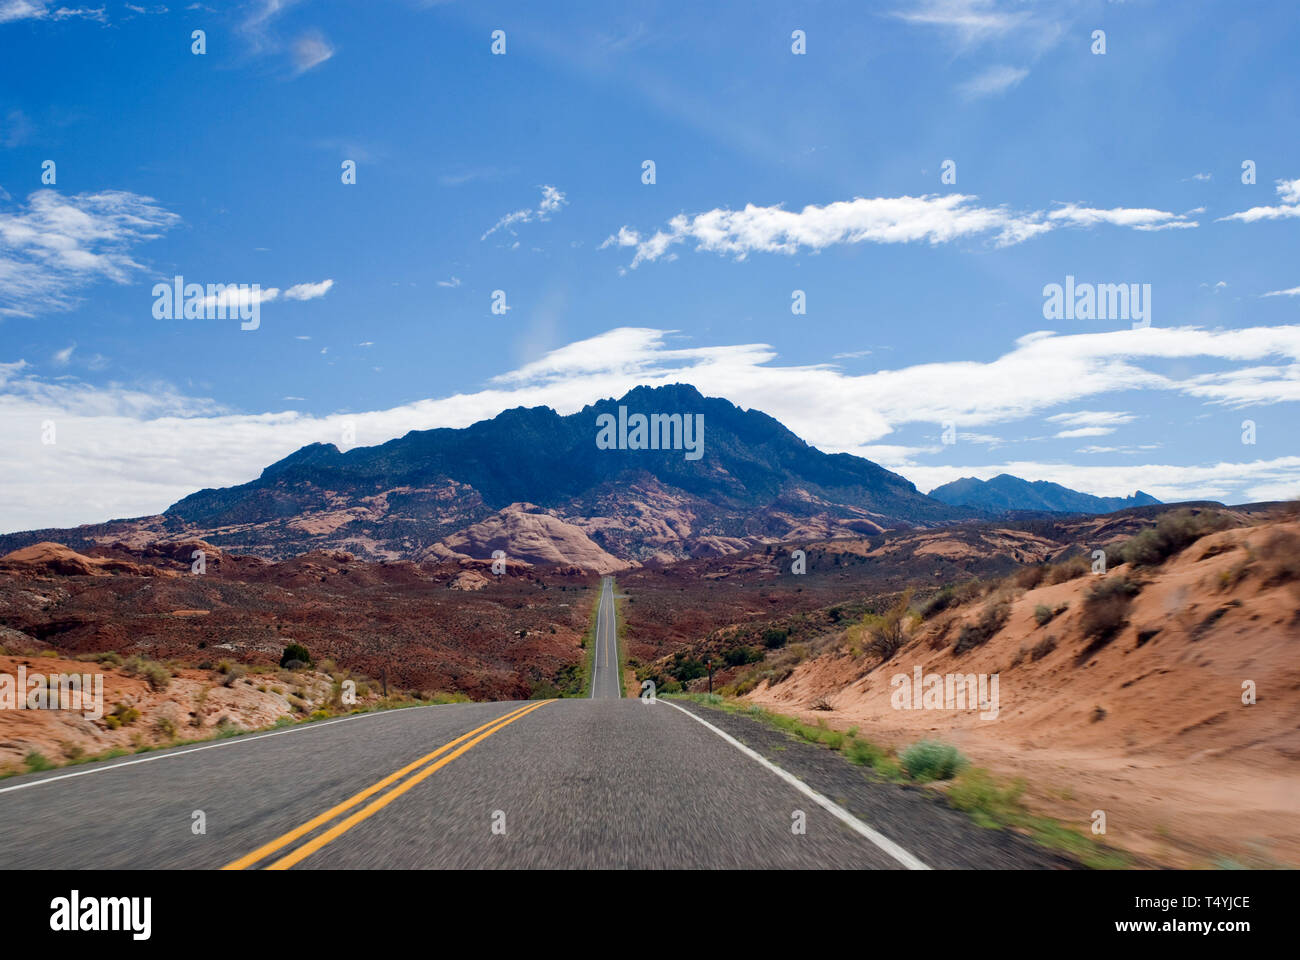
<point>1029,577</point>
<point>166,728</point>
<point>888,631</point>
<point>233,675</point>
<point>990,621</point>
<point>158,676</point>
<point>295,653</point>
<point>1281,551</point>
<point>36,761</point>
<point>737,656</point>
<point>1042,648</point>
<point>1105,608</point>
<point>109,659</point>
<point>1043,614</point>
<point>1173,533</point>
<point>687,669</point>
<point>121,716</point>
<point>1070,569</point>
<point>932,760</point>
<point>775,637</point>
<point>941,601</point>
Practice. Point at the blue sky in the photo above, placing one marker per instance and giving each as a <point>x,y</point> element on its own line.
<point>774,172</point>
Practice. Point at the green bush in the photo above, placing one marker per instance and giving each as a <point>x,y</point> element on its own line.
<point>932,760</point>
<point>737,656</point>
<point>775,637</point>
<point>295,653</point>
<point>1172,534</point>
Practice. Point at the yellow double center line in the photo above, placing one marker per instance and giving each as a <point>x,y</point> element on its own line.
<point>307,849</point>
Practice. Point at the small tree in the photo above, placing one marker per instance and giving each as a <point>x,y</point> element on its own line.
<point>295,654</point>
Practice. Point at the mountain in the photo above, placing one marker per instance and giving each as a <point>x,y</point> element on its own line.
<point>546,488</point>
<point>1005,492</point>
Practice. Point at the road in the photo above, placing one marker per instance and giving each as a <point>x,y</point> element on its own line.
<point>575,783</point>
<point>605,663</point>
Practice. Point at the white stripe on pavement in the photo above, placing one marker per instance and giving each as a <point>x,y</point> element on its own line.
<point>880,840</point>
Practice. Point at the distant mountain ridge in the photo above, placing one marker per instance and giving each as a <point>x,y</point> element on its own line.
<point>538,486</point>
<point>1005,492</point>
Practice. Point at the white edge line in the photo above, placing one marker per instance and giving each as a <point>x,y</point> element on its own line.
<point>232,741</point>
<point>595,642</point>
<point>880,840</point>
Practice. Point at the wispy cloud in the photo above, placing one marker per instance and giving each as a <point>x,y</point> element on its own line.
<point>453,282</point>
<point>971,20</point>
<point>311,49</point>
<point>552,200</point>
<point>14,10</point>
<point>993,81</point>
<point>56,244</point>
<point>933,218</point>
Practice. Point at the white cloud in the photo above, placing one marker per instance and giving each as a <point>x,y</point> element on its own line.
<point>1138,218</point>
<point>993,81</point>
<point>453,282</point>
<point>57,244</point>
<point>14,10</point>
<point>1292,292</point>
<point>552,200</point>
<point>1288,192</point>
<point>930,218</point>
<point>232,298</point>
<point>62,357</point>
<point>309,291</point>
<point>125,451</point>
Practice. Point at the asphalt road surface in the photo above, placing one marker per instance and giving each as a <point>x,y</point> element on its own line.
<point>576,783</point>
<point>604,670</point>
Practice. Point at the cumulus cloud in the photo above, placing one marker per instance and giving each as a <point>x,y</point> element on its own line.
<point>1288,191</point>
<point>552,200</point>
<point>931,218</point>
<point>56,244</point>
<point>125,451</point>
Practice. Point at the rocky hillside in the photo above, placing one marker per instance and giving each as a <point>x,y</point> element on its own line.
<point>1165,691</point>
